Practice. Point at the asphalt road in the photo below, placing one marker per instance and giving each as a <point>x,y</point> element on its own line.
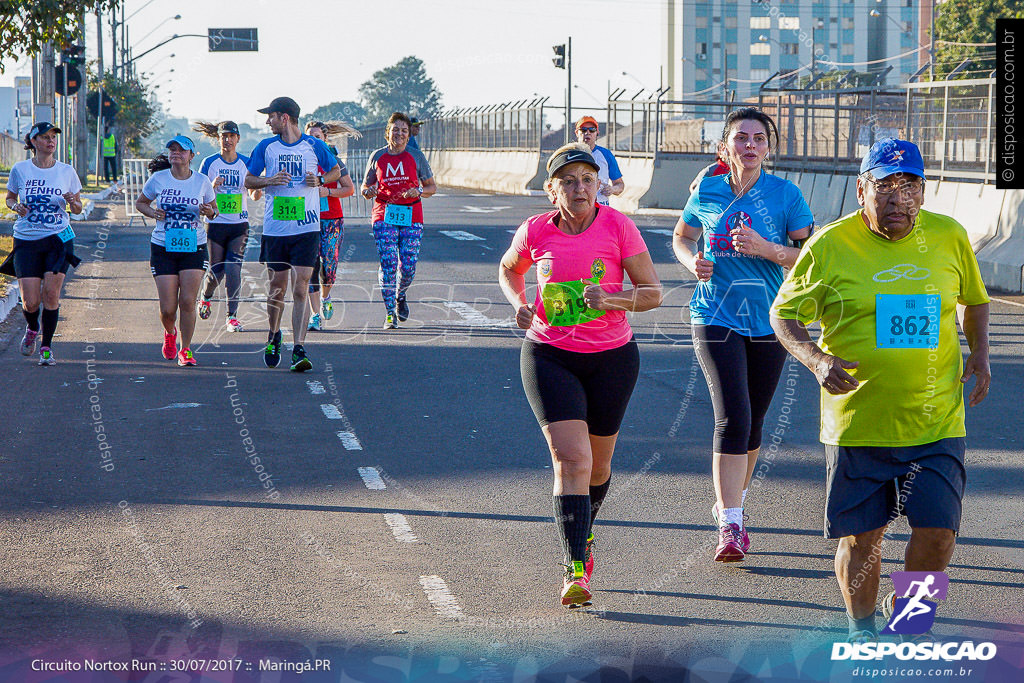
<point>398,522</point>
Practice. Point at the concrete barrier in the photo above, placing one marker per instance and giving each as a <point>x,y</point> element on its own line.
<point>994,219</point>
<point>1002,258</point>
<point>637,173</point>
<point>978,208</point>
<point>498,171</point>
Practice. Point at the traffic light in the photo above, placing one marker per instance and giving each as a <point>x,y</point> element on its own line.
<point>559,58</point>
<point>73,55</point>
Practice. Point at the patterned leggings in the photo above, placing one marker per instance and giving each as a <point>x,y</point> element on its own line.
<point>332,233</point>
<point>394,245</point>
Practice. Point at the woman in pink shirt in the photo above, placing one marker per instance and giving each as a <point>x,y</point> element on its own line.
<point>579,361</point>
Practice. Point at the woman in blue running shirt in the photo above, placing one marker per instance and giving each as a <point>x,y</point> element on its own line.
<point>744,218</point>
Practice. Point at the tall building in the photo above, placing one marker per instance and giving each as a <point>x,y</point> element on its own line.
<point>710,44</point>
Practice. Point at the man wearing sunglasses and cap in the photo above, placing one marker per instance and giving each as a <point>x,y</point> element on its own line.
<point>291,219</point>
<point>887,284</point>
<point>608,172</point>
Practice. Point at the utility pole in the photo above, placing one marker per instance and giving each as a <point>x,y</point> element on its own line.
<point>99,94</point>
<point>81,116</point>
<point>44,86</point>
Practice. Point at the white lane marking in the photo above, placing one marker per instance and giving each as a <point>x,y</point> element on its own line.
<point>460,235</point>
<point>479,195</point>
<point>483,209</point>
<point>173,406</point>
<point>349,441</point>
<point>1004,301</point>
<point>441,598</point>
<point>315,387</point>
<point>439,194</point>
<point>331,411</point>
<point>400,527</point>
<point>471,316</point>
<point>371,477</point>
<point>511,232</point>
<point>660,231</point>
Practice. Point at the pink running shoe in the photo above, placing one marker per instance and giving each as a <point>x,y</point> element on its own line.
<point>185,357</point>
<point>730,544</point>
<point>29,342</point>
<point>744,538</point>
<point>575,587</point>
<point>170,349</point>
<point>588,565</point>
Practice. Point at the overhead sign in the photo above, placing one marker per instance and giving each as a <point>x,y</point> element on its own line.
<point>233,40</point>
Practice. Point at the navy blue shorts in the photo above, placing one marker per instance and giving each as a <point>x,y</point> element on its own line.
<point>869,487</point>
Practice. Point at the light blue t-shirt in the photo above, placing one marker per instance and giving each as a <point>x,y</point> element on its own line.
<point>234,183</point>
<point>303,156</point>
<point>742,287</point>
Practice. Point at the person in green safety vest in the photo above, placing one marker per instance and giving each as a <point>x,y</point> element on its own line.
<point>109,155</point>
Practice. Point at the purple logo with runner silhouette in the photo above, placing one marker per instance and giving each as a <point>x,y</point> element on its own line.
<point>917,594</point>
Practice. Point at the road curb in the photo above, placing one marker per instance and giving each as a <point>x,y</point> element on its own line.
<point>10,301</point>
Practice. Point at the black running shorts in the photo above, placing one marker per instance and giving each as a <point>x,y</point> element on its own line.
<point>869,487</point>
<point>163,262</point>
<point>569,385</point>
<point>282,252</point>
<point>223,233</point>
<point>35,258</point>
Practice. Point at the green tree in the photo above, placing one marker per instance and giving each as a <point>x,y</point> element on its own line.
<point>970,21</point>
<point>136,117</point>
<point>403,86</point>
<point>27,25</point>
<point>346,110</point>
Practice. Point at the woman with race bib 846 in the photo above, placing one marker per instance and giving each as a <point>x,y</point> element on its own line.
<point>178,257</point>
<point>579,361</point>
<point>745,217</point>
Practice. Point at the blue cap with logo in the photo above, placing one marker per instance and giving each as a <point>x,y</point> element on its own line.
<point>892,155</point>
<point>183,141</point>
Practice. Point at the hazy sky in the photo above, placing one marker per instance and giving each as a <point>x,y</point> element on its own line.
<point>318,52</point>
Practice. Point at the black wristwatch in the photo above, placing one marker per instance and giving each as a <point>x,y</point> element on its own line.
<point>320,178</point>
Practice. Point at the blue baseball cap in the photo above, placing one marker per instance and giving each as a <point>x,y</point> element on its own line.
<point>185,142</point>
<point>892,155</point>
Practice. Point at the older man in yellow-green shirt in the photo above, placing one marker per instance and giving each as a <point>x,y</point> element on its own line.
<point>887,284</point>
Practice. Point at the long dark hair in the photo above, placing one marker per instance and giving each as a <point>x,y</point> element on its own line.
<point>752,114</point>
<point>159,163</point>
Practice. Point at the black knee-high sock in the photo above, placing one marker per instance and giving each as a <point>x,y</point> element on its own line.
<point>572,517</point>
<point>597,494</point>
<point>49,324</point>
<point>32,319</point>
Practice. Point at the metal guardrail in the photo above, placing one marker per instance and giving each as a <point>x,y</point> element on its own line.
<point>134,174</point>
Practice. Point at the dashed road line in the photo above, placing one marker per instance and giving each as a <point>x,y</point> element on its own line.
<point>400,527</point>
<point>461,235</point>
<point>349,441</point>
<point>441,598</point>
<point>331,411</point>
<point>371,477</point>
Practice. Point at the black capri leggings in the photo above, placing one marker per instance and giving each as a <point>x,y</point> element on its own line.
<point>742,373</point>
<point>569,385</point>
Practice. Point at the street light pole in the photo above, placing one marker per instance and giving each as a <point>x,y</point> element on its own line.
<point>568,89</point>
